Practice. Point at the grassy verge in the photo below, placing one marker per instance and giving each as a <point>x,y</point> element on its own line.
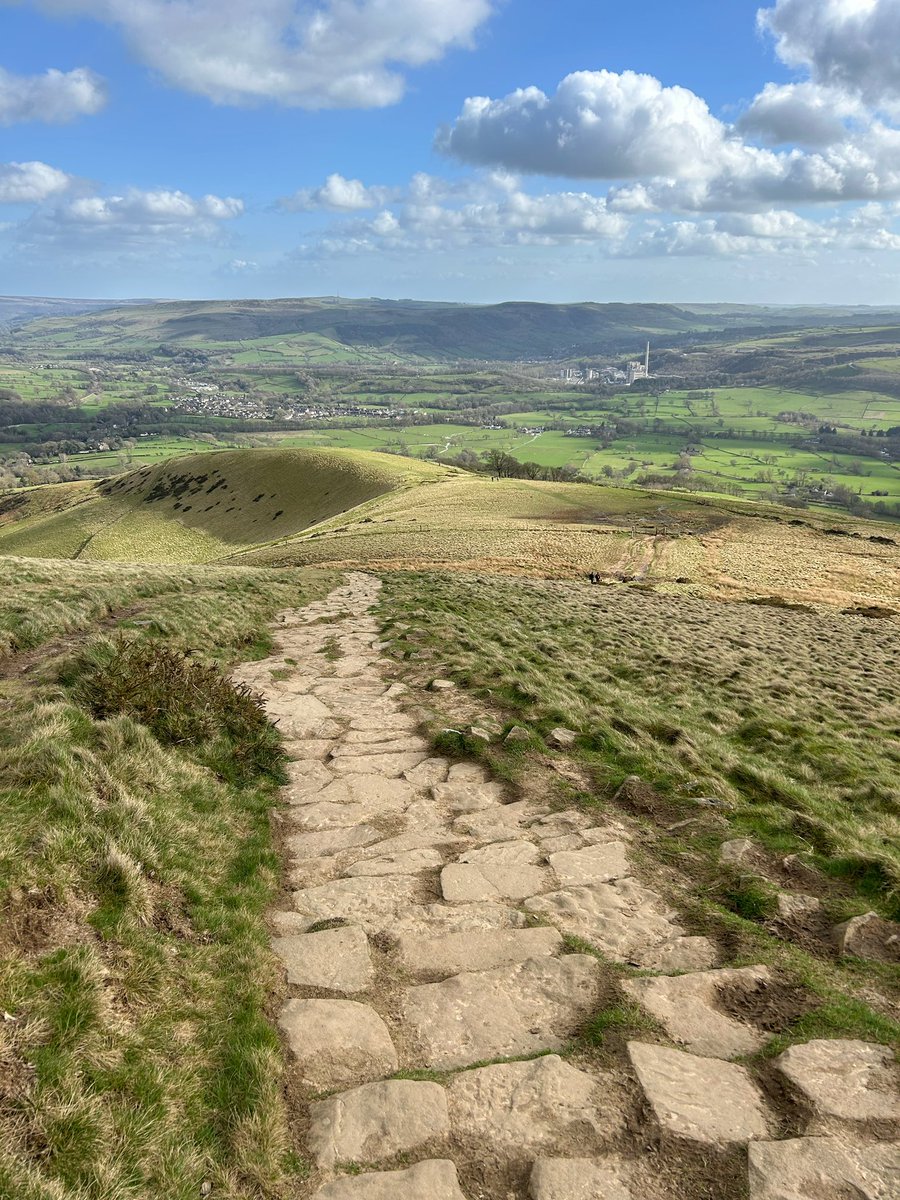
<point>746,721</point>
<point>136,1055</point>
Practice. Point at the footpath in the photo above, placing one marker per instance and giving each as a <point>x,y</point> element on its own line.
<point>439,941</point>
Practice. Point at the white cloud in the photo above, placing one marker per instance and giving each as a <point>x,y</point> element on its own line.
<point>55,96</point>
<point>336,194</point>
<point>847,44</point>
<point>31,182</point>
<point>306,53</point>
<point>804,114</point>
<point>136,219</point>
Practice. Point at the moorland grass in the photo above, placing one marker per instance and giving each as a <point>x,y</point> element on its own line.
<point>136,866</point>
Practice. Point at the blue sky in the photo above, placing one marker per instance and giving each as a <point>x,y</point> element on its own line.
<point>738,151</point>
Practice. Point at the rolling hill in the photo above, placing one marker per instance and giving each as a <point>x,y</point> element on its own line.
<point>340,508</point>
<point>405,328</point>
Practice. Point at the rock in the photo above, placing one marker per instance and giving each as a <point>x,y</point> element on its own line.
<point>469,883</point>
<point>389,765</point>
<point>511,853</point>
<point>455,953</point>
<point>562,739</point>
<point>579,1179</point>
<point>627,922</point>
<point>306,779</point>
<point>702,1099</point>
<point>336,959</point>
<point>737,852</point>
<point>844,1078</point>
<point>869,936</point>
<point>401,744</point>
<point>468,773</point>
<point>520,1109</point>
<point>426,920</point>
<point>468,797</point>
<point>301,716</point>
<point>404,862</point>
<point>481,735</point>
<point>433,1180</point>
<point>442,685</point>
<point>686,1006</point>
<point>518,1009</point>
<point>383,722</point>
<point>336,1043</point>
<point>819,1168</point>
<point>518,734</point>
<point>373,903</point>
<point>496,823</point>
<point>331,841</point>
<point>795,906</point>
<point>595,864</point>
<point>377,1121</point>
<point>428,773</point>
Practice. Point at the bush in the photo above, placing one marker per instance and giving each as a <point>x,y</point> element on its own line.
<point>182,702</point>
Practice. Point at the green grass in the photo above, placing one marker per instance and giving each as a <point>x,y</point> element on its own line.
<point>136,867</point>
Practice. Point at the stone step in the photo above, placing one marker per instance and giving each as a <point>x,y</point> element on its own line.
<point>579,1179</point>
<point>456,953</point>
<point>337,1043</point>
<point>377,1121</point>
<point>335,959</point>
<point>818,1168</point>
<point>844,1079</point>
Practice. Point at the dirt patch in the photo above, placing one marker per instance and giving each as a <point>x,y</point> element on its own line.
<point>772,1007</point>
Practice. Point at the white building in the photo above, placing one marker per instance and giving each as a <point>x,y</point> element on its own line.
<point>638,370</point>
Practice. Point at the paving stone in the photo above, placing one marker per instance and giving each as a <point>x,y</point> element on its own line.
<point>518,1109</point>
<point>331,841</point>
<point>687,1007</point>
<point>503,854</point>
<point>306,779</point>
<point>468,773</point>
<point>468,883</point>
<point>377,1121</point>
<point>319,816</point>
<point>336,1043</point>
<point>336,959</point>
<point>627,922</point>
<point>702,1099</point>
<point>428,773</point>
<point>497,823</point>
<point>400,745</point>
<point>454,953</point>
<point>556,845</point>
<point>310,749</point>
<point>845,1078</point>
<point>405,862</point>
<point>433,1180</point>
<point>300,716</point>
<point>558,823</point>
<point>579,1179</point>
<point>517,1009</point>
<point>417,839</point>
<point>822,1168</point>
<point>391,766</point>
<point>594,864</point>
<point>377,736</point>
<point>390,721</point>
<point>468,797</point>
<point>373,903</point>
<point>439,919</point>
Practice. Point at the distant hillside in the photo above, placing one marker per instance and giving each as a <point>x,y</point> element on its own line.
<point>201,507</point>
<point>16,309</point>
<point>446,332</point>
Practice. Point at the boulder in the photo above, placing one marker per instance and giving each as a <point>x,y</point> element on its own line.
<point>869,936</point>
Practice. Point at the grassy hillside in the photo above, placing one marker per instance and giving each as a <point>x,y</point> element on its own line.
<point>324,329</point>
<point>201,507</point>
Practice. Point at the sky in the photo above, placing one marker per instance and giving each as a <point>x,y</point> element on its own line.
<point>468,150</point>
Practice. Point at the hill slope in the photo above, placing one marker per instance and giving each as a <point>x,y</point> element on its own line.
<point>201,507</point>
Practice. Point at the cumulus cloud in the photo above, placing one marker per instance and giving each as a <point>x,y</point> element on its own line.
<point>847,44</point>
<point>306,53</point>
<point>804,114</point>
<point>336,194</point>
<point>55,96</point>
<point>31,182</point>
<point>135,219</point>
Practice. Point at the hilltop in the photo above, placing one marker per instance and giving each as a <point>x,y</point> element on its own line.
<point>417,330</point>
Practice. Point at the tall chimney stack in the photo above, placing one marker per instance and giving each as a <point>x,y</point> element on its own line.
<point>647,359</point>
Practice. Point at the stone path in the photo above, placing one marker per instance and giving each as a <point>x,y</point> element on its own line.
<point>430,981</point>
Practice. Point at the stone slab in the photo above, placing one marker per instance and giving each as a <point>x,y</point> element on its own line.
<point>439,919</point>
<point>518,1009</point>
<point>374,1122</point>
<point>824,1168</point>
<point>594,864</point>
<point>336,959</point>
<point>374,903</point>
<point>468,797</point>
<point>455,953</point>
<point>391,766</point>
<point>519,1109</point>
<point>433,1180</point>
<point>428,773</point>
<point>505,853</point>
<point>405,744</point>
<point>404,862</point>
<point>468,883</point>
<point>336,1043</point>
<point>701,1099</point>
<point>579,1179</point>
<point>468,773</point>
<point>845,1078</point>
<point>331,841</point>
<point>686,1006</point>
